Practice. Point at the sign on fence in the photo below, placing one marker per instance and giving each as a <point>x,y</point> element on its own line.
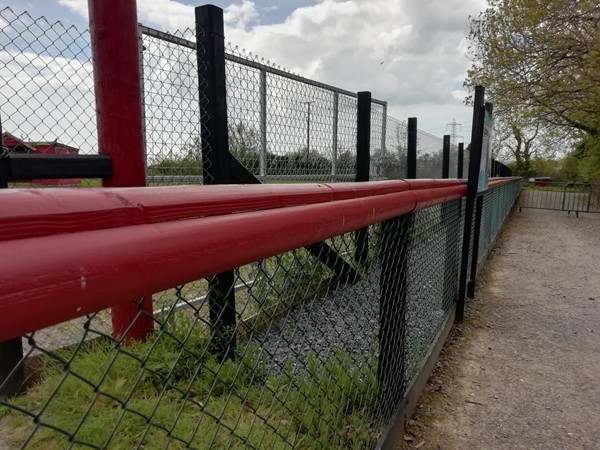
<point>485,163</point>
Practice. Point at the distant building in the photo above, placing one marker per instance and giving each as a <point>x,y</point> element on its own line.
<point>16,145</point>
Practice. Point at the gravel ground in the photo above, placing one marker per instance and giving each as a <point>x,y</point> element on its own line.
<point>523,370</point>
<point>347,316</point>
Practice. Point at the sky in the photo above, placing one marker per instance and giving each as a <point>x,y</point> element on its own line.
<point>411,53</point>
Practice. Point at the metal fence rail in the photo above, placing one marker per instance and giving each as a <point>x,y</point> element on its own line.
<point>306,358</point>
<point>561,196</point>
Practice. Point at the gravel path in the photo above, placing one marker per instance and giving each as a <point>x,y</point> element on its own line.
<point>523,370</point>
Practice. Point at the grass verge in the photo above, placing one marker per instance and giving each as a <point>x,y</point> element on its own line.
<point>169,389</point>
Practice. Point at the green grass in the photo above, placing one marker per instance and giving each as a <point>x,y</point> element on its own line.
<point>170,388</point>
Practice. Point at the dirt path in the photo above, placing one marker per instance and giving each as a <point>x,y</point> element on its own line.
<point>523,370</point>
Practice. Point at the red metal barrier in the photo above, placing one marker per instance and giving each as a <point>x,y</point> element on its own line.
<point>32,213</point>
<point>497,182</point>
<point>114,39</point>
<point>63,276</point>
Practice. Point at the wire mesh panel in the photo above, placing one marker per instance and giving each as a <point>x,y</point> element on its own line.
<point>396,138</point>
<point>305,370</point>
<point>429,155</point>
<point>46,90</point>
<point>432,279</point>
<point>296,352</point>
<point>172,110</point>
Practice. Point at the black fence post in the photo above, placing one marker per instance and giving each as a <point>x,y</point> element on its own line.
<point>475,254</point>
<point>392,308</point>
<point>216,160</point>
<point>450,259</point>
<point>474,163</point>
<point>446,157</point>
<point>395,236</point>
<point>461,160</point>
<point>411,149</point>
<point>363,162</point>
<point>11,351</point>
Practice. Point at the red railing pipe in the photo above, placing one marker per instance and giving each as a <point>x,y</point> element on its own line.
<point>494,183</point>
<point>115,50</point>
<point>65,276</point>
<point>33,212</point>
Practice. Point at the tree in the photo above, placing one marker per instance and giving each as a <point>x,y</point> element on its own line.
<point>540,58</point>
<point>186,162</point>
<point>539,61</point>
<point>523,142</point>
<point>244,145</point>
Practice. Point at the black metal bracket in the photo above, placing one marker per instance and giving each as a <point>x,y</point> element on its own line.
<point>28,167</point>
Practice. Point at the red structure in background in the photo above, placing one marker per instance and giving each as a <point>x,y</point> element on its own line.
<point>16,145</point>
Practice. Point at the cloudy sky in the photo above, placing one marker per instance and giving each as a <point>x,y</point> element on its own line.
<point>408,52</point>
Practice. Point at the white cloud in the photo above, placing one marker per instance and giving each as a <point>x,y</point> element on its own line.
<point>406,52</point>
<point>344,43</point>
<point>240,15</point>
<point>78,6</point>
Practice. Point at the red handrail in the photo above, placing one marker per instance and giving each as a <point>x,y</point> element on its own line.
<point>35,212</point>
<point>64,276</point>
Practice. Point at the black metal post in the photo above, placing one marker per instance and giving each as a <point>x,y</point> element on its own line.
<point>11,351</point>
<point>216,159</point>
<point>475,254</point>
<point>446,157</point>
<point>363,162</point>
<point>450,262</point>
<point>461,160</point>
<point>411,149</point>
<point>392,307</point>
<point>474,163</point>
<point>308,129</point>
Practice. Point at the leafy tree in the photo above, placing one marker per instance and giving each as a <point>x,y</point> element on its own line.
<point>346,163</point>
<point>244,145</point>
<point>187,162</point>
<point>540,58</point>
<point>540,61</point>
<point>305,161</point>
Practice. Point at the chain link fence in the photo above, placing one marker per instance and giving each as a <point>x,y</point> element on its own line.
<point>304,349</point>
<point>46,90</point>
<point>282,127</point>
<point>293,356</point>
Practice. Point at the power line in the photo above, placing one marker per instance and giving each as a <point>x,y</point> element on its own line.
<point>454,128</point>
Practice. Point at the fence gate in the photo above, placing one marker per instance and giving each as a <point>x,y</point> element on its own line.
<point>570,197</point>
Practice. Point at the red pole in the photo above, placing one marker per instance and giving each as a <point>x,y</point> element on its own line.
<point>114,38</point>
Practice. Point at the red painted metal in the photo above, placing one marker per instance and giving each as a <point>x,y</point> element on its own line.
<point>114,39</point>
<point>494,183</point>
<point>434,183</point>
<point>61,277</point>
<point>34,213</point>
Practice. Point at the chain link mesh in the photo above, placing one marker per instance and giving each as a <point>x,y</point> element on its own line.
<point>46,90</point>
<point>429,155</point>
<point>172,110</point>
<point>289,352</point>
<point>283,128</point>
<point>303,360</point>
